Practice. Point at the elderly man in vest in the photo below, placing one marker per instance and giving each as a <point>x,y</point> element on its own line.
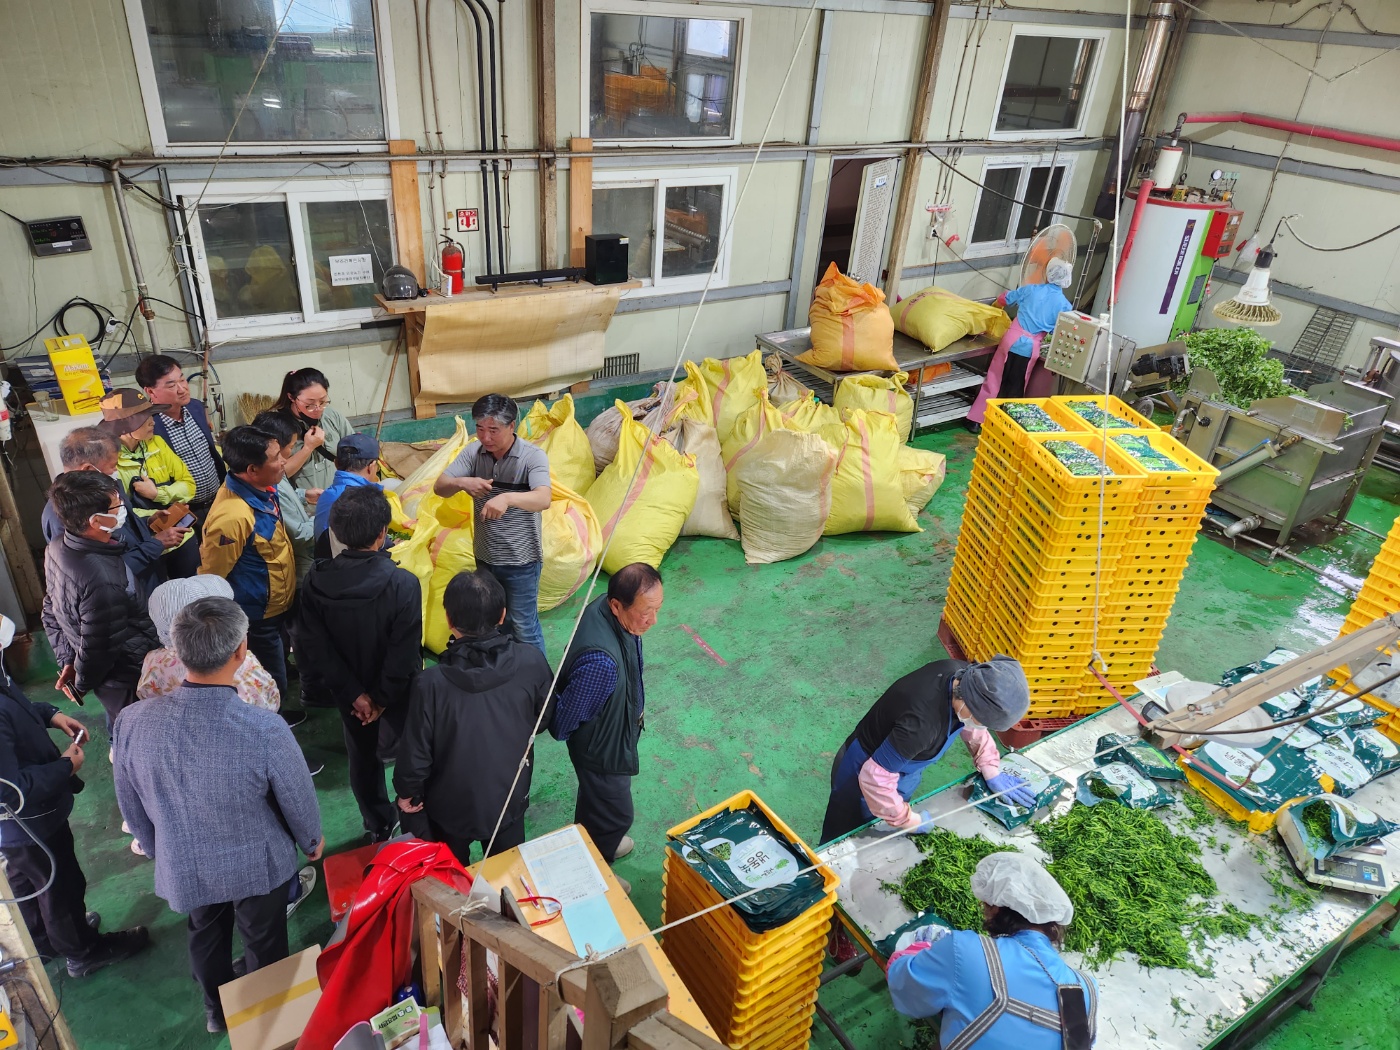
<point>600,701</point>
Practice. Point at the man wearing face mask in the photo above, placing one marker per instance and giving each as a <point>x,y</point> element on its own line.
<point>93,449</point>
<point>94,612</point>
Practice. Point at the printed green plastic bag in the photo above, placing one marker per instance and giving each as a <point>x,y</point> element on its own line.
<point>1328,824</point>
<point>740,850</point>
<point>1350,715</point>
<point>1121,783</point>
<point>1046,786</point>
<point>1334,756</point>
<point>1286,774</point>
<point>1374,750</point>
<point>1137,753</point>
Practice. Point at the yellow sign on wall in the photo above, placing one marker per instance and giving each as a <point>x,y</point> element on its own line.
<point>76,372</point>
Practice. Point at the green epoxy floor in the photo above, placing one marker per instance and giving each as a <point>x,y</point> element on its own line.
<point>806,645</point>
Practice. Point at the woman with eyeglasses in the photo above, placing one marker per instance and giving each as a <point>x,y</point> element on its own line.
<point>305,403</point>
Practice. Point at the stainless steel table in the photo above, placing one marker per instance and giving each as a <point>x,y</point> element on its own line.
<point>939,400</point>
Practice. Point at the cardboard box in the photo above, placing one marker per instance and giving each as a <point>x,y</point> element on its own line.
<point>268,1009</point>
<point>76,373</point>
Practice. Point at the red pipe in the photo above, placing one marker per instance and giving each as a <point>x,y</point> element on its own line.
<point>1355,138</point>
<point>1144,191</point>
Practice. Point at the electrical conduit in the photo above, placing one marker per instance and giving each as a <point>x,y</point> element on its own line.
<point>1354,138</point>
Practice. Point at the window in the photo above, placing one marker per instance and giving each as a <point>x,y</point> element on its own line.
<point>324,80</point>
<point>661,72</point>
<point>673,222</point>
<point>998,222</point>
<point>1046,86</point>
<point>280,258</point>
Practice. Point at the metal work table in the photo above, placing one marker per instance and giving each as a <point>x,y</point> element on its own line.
<point>1149,1009</point>
<point>939,400</point>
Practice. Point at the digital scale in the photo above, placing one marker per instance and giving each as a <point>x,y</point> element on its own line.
<point>1360,870</point>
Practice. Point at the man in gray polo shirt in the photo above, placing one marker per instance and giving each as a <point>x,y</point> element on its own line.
<point>509,483</point>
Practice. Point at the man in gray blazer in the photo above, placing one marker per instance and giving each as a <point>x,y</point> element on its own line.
<point>218,795</point>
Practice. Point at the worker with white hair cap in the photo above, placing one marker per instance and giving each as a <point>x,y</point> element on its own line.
<point>162,672</point>
<point>1008,988</point>
<point>1012,372</point>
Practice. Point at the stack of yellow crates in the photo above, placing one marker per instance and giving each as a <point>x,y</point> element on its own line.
<point>1043,554</point>
<point>758,990</point>
<point>1380,594</point>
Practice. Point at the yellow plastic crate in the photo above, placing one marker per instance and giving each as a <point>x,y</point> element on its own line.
<point>997,419</point>
<point>1063,493</point>
<point>1034,571</point>
<point>1076,552</point>
<point>1110,404</point>
<point>1195,479</point>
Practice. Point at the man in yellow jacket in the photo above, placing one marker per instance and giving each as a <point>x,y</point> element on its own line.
<point>246,543</point>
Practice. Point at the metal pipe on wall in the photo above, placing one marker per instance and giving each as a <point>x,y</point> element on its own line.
<point>1161,16</point>
<point>142,291</point>
<point>481,129</point>
<point>1294,127</point>
<point>491,55</point>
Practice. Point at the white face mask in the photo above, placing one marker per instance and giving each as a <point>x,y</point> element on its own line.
<point>116,476</point>
<point>119,514</point>
<point>7,632</point>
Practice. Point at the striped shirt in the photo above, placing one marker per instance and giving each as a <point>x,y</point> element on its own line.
<point>513,538</point>
<point>189,443</point>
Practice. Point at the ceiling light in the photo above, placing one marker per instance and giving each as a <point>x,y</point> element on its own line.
<point>1250,305</point>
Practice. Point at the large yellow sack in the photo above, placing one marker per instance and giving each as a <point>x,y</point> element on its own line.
<point>814,417</point>
<point>867,494</point>
<point>711,514</point>
<point>761,418</point>
<point>786,494</point>
<point>920,474</point>
<point>441,547</point>
<point>643,518</point>
<point>877,394</point>
<point>938,318</point>
<point>572,541</point>
<point>420,482</point>
<point>731,388</point>
<point>851,326</point>
<point>556,430</point>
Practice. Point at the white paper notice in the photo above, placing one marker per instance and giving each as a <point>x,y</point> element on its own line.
<point>351,269</point>
<point>562,867</point>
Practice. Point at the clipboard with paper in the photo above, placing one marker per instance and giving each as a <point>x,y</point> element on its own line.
<point>562,867</point>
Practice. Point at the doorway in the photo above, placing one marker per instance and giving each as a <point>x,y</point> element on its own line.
<point>855,233</point>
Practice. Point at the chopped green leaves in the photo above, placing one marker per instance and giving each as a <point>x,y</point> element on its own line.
<point>1031,418</point>
<point>1238,357</point>
<point>1099,419</point>
<point>941,882</point>
<point>1147,457</point>
<point>1078,460</point>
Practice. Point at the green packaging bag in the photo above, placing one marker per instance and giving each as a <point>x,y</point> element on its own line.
<point>1335,757</point>
<point>1121,783</point>
<point>1350,715</point>
<point>1139,754</point>
<point>1328,824</point>
<point>1047,788</point>
<point>886,945</point>
<point>740,850</point>
<point>1031,418</point>
<point>1376,751</point>
<point>1097,418</point>
<point>1286,774</point>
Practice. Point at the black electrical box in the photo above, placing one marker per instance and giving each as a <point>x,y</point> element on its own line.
<point>605,258</point>
<point>57,236</point>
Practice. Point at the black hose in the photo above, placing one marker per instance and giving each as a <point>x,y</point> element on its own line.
<point>495,132</point>
<point>481,130</point>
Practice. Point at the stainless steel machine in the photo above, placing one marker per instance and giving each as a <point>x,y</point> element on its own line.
<point>1382,372</point>
<point>1285,461</point>
<point>1084,355</point>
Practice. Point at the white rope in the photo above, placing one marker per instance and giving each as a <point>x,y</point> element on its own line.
<point>659,421</point>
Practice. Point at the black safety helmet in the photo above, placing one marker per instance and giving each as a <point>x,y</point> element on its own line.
<point>399,283</point>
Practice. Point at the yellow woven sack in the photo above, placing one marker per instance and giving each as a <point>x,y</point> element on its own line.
<point>420,482</point>
<point>572,540</point>
<point>731,388</point>
<point>711,514</point>
<point>398,520</point>
<point>920,474</point>
<point>877,394</point>
<point>646,520</point>
<point>938,318</point>
<point>786,494</point>
<point>814,417</point>
<point>761,418</point>
<point>851,326</point>
<point>702,408</point>
<point>556,430</point>
<point>867,494</point>
<point>441,547</point>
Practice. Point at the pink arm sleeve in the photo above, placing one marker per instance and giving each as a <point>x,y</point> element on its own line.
<point>984,752</point>
<point>912,949</point>
<point>880,789</point>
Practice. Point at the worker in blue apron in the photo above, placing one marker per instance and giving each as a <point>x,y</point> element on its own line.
<point>911,726</point>
<point>1008,988</point>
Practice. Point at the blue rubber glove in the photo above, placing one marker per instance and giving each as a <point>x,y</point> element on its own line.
<point>1017,790</point>
<point>926,823</point>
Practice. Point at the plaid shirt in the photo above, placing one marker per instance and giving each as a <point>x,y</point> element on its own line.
<point>591,681</point>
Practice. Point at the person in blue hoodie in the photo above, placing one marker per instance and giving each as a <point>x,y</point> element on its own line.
<point>356,466</point>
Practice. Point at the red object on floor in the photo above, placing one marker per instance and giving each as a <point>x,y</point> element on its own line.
<point>370,957</point>
<point>344,873</point>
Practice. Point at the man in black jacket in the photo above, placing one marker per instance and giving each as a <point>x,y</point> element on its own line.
<point>93,449</point>
<point>35,837</point>
<point>93,612</point>
<point>360,625</point>
<point>471,719</point>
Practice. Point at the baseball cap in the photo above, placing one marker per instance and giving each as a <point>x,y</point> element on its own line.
<point>362,445</point>
<point>126,409</point>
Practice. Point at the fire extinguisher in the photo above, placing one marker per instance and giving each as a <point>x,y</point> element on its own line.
<point>454,264</point>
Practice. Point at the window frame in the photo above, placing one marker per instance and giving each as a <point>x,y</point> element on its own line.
<point>291,193</point>
<point>161,145</point>
<point>1090,83</point>
<point>661,179</point>
<point>589,8</point>
<point>1026,162</point>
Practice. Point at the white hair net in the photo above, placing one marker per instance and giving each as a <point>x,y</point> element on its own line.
<point>1015,881</point>
<point>170,597</point>
<point>1058,271</point>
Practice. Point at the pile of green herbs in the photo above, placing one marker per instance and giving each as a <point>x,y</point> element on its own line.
<point>1238,357</point>
<point>941,882</point>
<point>1031,418</point>
<point>1146,456</point>
<point>1078,460</point>
<point>1098,418</point>
<point>1317,819</point>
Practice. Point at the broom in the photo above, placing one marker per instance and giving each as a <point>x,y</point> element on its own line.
<point>250,405</point>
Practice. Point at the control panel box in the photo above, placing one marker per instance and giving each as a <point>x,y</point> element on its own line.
<point>1077,346</point>
<point>1222,233</point>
